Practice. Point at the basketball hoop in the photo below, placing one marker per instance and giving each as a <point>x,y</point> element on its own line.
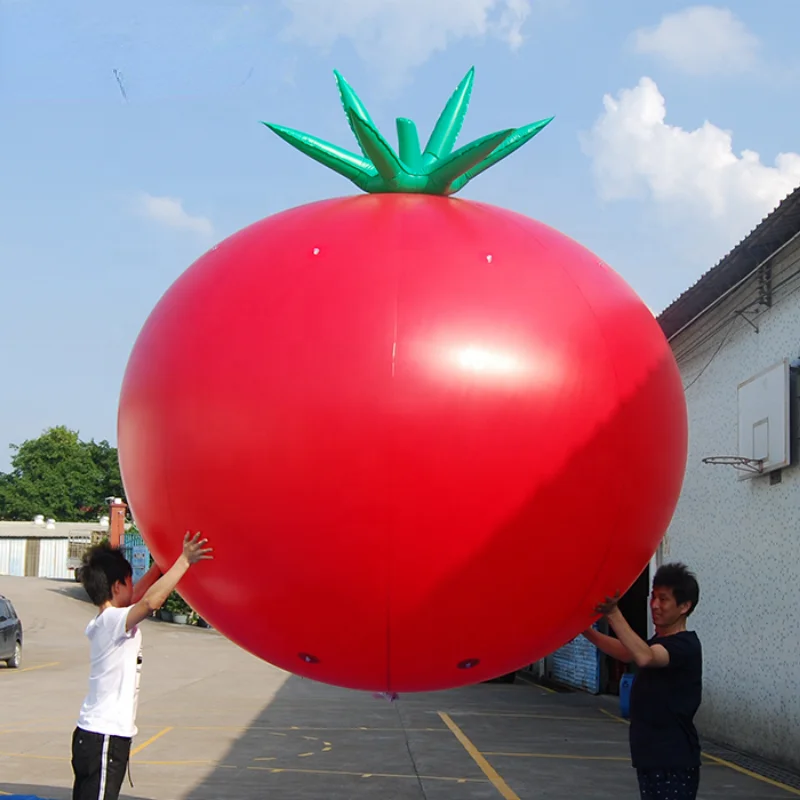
<point>737,462</point>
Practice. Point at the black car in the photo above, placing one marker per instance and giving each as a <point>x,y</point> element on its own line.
<point>10,634</point>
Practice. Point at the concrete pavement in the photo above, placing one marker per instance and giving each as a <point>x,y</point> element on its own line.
<point>215,722</point>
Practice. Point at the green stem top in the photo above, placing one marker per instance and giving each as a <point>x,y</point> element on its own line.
<point>435,170</point>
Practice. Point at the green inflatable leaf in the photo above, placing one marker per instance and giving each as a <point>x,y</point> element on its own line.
<point>436,170</point>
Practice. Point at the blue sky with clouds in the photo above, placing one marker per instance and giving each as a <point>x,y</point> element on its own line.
<point>131,143</point>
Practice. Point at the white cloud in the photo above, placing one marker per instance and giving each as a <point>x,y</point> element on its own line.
<point>169,211</point>
<point>694,174</point>
<point>700,40</point>
<point>395,35</point>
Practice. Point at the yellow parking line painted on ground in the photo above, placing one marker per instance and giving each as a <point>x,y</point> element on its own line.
<point>150,741</point>
<point>36,721</point>
<point>566,756</point>
<point>488,770</point>
<point>33,755</point>
<point>723,763</point>
<point>411,777</point>
<point>522,715</point>
<point>31,730</point>
<point>39,666</point>
<point>614,717</point>
<point>296,729</point>
<point>530,682</point>
<point>190,762</point>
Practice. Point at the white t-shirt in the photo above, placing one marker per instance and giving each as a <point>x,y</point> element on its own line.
<point>110,705</point>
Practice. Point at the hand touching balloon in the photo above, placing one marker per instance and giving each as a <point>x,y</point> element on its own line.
<point>193,549</point>
<point>609,606</point>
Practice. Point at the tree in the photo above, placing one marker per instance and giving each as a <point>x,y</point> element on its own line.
<point>106,459</point>
<point>59,476</point>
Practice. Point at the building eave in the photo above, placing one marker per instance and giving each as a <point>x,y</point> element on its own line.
<point>772,233</point>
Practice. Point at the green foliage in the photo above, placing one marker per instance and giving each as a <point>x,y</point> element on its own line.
<point>176,604</point>
<point>106,459</point>
<point>60,476</point>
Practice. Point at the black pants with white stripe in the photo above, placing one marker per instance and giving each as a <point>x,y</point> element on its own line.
<point>99,763</point>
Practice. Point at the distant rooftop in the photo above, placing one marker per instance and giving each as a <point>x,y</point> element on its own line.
<point>48,529</point>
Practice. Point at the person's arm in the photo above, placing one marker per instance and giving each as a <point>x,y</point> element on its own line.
<point>609,645</point>
<point>154,597</point>
<point>145,582</point>
<point>644,655</point>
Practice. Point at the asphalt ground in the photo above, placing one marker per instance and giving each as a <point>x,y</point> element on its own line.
<point>215,722</point>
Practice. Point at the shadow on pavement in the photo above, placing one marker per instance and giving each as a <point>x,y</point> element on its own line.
<point>69,588</point>
<point>317,741</point>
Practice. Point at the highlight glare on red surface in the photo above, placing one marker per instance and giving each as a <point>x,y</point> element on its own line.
<point>420,467</point>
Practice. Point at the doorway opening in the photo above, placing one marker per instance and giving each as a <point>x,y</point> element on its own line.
<point>635,607</point>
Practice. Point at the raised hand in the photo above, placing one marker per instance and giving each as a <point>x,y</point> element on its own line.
<point>609,606</point>
<point>193,548</point>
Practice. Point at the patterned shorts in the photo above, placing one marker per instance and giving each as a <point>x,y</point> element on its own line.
<point>669,784</point>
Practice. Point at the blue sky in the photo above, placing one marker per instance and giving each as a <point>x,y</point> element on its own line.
<point>676,131</point>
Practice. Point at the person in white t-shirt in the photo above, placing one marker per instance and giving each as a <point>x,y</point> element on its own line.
<point>101,742</point>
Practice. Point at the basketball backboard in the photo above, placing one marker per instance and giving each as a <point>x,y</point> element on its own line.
<point>764,429</point>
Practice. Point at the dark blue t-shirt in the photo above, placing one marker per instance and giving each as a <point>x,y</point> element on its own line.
<point>664,701</point>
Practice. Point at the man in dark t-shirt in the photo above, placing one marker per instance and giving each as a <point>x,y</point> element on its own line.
<point>667,691</point>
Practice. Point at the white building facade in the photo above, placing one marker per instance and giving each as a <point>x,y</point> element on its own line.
<point>45,548</point>
<point>740,530</point>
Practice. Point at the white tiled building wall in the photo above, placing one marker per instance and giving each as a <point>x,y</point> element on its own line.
<point>742,537</point>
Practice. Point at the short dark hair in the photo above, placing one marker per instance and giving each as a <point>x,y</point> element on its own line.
<point>103,566</point>
<point>683,583</point>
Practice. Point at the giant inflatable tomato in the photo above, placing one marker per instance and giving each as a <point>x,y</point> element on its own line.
<point>425,436</point>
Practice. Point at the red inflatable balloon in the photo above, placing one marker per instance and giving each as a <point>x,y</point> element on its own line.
<point>425,437</point>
